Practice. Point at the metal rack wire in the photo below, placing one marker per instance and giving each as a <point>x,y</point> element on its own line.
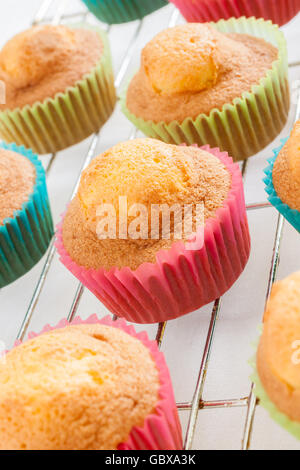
<point>197,403</point>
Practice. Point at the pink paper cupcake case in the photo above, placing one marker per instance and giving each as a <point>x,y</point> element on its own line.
<point>181,280</point>
<point>161,429</point>
<point>278,11</point>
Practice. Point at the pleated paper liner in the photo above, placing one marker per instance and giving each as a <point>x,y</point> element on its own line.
<point>161,429</point>
<point>251,122</point>
<point>182,279</point>
<point>122,11</point>
<point>278,11</point>
<point>283,420</point>
<point>68,118</point>
<point>25,237</point>
<point>291,215</point>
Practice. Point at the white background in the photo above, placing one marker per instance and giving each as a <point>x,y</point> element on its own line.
<point>241,308</point>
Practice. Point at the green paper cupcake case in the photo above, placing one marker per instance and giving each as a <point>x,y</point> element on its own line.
<point>283,420</point>
<point>251,122</point>
<point>25,237</point>
<point>291,215</point>
<point>122,11</point>
<point>69,117</point>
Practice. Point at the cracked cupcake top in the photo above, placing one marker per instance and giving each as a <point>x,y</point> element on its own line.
<point>182,59</point>
<point>192,68</point>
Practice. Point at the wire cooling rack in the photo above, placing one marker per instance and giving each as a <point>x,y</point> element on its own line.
<point>194,426</point>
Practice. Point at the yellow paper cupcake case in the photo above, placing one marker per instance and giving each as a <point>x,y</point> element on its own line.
<point>284,421</point>
<point>252,121</point>
<point>69,117</point>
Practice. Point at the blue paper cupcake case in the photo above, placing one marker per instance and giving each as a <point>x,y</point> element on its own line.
<point>25,237</point>
<point>122,11</point>
<point>291,215</point>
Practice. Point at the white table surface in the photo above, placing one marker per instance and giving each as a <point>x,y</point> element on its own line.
<point>241,308</point>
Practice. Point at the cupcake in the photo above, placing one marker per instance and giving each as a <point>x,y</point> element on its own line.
<point>277,360</point>
<point>278,11</point>
<point>156,230</point>
<point>223,84</point>
<point>25,219</point>
<point>122,11</point>
<point>283,178</point>
<point>93,385</point>
<point>59,86</point>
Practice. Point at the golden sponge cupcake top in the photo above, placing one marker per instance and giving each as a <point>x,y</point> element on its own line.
<point>182,59</point>
<point>144,174</point>
<point>45,60</point>
<point>148,172</point>
<point>278,358</point>
<point>31,55</point>
<point>293,148</point>
<point>191,69</point>
<point>282,328</point>
<point>17,180</point>
<point>81,388</point>
<point>286,171</point>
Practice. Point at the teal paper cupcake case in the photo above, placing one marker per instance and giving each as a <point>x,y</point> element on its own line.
<point>291,215</point>
<point>122,11</point>
<point>25,237</point>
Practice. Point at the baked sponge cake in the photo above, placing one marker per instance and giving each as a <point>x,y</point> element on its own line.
<point>190,69</point>
<point>149,231</point>
<point>45,60</point>
<point>82,387</point>
<point>58,86</point>
<point>286,170</point>
<point>146,172</point>
<point>283,178</point>
<point>278,354</point>
<point>17,180</point>
<point>200,83</point>
<point>26,226</point>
